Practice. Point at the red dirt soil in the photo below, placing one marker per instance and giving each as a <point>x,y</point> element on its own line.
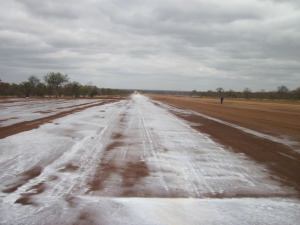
<point>274,118</point>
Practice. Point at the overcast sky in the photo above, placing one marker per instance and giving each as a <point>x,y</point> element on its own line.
<point>157,44</point>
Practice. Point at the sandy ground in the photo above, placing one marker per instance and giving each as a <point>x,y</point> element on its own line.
<point>277,118</point>
<point>135,161</point>
<point>19,116</point>
<point>266,131</point>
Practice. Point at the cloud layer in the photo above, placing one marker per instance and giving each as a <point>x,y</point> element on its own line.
<point>174,45</point>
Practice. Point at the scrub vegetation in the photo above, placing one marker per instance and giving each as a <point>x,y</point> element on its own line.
<point>55,84</point>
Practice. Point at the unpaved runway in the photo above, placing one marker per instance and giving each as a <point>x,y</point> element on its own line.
<point>265,131</point>
<point>133,162</point>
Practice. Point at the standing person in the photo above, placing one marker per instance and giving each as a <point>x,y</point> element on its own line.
<point>222,100</point>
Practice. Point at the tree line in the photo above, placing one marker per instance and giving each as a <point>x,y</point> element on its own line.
<point>58,85</point>
<point>282,92</point>
<point>55,84</point>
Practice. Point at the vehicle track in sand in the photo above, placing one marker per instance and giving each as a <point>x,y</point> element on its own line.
<point>280,155</point>
<point>6,131</point>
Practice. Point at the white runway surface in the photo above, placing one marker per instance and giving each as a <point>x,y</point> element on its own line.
<point>133,162</point>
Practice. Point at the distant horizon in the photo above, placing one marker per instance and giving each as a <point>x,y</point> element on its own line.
<point>171,90</point>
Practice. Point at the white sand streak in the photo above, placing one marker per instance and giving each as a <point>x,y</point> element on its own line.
<point>31,109</point>
<point>285,141</point>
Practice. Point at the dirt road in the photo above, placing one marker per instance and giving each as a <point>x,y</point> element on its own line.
<point>134,162</point>
<point>267,132</point>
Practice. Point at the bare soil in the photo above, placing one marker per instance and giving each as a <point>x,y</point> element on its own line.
<point>43,112</point>
<point>279,118</point>
<point>276,118</point>
<point>29,125</point>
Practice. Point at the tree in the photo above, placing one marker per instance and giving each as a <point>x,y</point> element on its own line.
<point>231,93</point>
<point>34,81</point>
<point>72,89</point>
<point>84,90</point>
<point>4,88</point>
<point>41,90</point>
<point>220,91</point>
<point>94,91</point>
<point>89,89</point>
<point>282,91</point>
<point>247,93</point>
<point>261,94</point>
<point>194,93</point>
<point>55,80</point>
<point>296,93</point>
<point>76,87</point>
<point>67,90</point>
<point>210,93</point>
<point>108,91</point>
<point>26,88</point>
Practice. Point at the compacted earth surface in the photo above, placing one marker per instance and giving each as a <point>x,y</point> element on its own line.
<point>149,160</point>
<point>268,132</point>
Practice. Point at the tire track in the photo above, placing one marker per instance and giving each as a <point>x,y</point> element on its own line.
<point>33,124</point>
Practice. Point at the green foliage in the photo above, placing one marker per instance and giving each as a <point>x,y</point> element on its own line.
<point>34,81</point>
<point>220,91</point>
<point>55,81</point>
<point>231,93</point>
<point>282,89</point>
<point>247,93</point>
<point>4,89</point>
<point>72,89</point>
<point>15,90</point>
<point>84,90</point>
<point>296,93</point>
<point>58,83</point>
<point>282,92</point>
<point>26,88</point>
<point>193,93</point>
<point>41,90</point>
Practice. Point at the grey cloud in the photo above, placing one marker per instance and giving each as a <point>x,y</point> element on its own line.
<point>153,44</point>
<point>51,9</point>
